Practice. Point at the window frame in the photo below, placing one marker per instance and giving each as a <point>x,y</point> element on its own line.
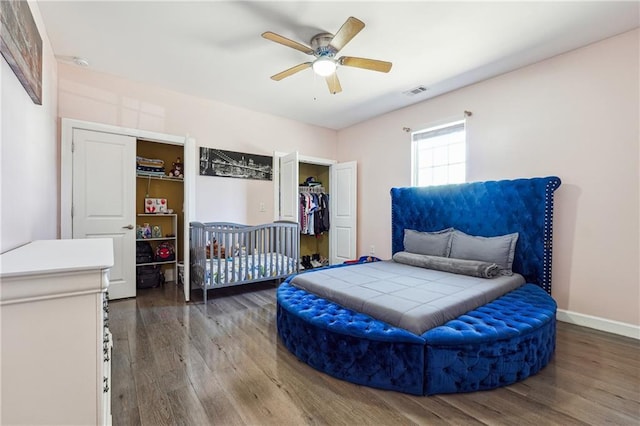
<point>438,130</point>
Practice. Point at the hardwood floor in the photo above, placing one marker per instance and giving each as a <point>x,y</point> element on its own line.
<point>222,364</point>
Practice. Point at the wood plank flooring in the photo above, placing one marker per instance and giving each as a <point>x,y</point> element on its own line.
<point>222,364</point>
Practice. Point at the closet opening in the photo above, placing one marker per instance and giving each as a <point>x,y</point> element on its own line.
<point>314,216</point>
<point>339,181</point>
<point>159,213</point>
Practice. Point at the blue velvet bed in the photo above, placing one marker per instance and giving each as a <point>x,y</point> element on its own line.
<point>497,344</point>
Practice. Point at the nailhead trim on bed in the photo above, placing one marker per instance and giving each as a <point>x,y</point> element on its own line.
<point>552,184</point>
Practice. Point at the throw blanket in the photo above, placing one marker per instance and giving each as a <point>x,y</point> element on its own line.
<point>473,268</point>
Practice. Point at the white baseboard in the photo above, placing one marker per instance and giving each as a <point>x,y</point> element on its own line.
<point>602,324</point>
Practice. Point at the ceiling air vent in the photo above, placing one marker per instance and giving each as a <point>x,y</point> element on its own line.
<point>415,91</point>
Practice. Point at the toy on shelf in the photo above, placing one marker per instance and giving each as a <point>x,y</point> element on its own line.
<point>178,169</point>
<point>155,205</point>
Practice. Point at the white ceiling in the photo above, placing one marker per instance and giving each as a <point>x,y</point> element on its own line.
<point>213,49</point>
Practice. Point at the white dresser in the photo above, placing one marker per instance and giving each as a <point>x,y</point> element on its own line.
<point>55,365</point>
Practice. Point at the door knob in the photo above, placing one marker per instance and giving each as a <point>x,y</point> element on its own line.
<point>128,227</point>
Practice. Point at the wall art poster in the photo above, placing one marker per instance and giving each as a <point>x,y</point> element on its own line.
<point>216,162</point>
<point>21,46</point>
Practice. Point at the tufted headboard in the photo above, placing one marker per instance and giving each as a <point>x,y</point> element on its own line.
<point>487,209</point>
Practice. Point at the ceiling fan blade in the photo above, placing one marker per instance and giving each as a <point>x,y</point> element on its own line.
<point>287,42</point>
<point>290,71</point>
<point>368,64</point>
<point>347,31</point>
<point>333,83</point>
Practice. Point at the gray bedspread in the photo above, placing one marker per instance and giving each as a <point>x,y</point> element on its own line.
<point>409,297</point>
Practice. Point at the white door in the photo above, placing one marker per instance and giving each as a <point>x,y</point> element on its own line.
<point>343,212</point>
<point>190,165</point>
<point>103,200</point>
<point>289,200</point>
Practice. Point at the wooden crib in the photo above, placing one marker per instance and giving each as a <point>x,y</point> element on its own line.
<point>226,254</point>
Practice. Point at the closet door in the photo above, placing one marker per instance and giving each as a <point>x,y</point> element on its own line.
<point>103,197</point>
<point>343,212</point>
<point>289,201</point>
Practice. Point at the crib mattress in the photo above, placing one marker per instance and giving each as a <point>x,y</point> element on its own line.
<point>408,297</point>
<point>248,268</point>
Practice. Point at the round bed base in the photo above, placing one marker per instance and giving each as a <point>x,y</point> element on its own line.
<point>495,345</point>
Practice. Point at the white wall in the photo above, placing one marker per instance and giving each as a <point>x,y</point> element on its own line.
<point>29,153</point>
<point>575,116</point>
<point>92,96</point>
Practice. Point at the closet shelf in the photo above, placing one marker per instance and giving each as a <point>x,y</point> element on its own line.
<point>156,263</point>
<point>158,177</point>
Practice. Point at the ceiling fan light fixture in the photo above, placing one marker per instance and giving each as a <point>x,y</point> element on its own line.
<point>324,47</point>
<point>324,66</point>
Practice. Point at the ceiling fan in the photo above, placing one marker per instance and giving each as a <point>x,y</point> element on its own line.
<point>324,47</point>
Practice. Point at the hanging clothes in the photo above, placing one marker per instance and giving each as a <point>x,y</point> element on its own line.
<point>314,213</point>
<point>321,216</point>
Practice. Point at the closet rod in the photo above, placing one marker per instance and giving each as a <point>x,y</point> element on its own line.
<point>311,189</point>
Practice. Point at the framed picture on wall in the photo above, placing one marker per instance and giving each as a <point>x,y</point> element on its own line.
<point>216,162</point>
<point>21,45</point>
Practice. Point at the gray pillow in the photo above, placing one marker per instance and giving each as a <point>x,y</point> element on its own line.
<point>499,250</point>
<point>431,243</point>
<point>473,268</point>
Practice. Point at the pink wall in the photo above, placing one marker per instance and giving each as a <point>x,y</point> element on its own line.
<point>575,116</point>
<point>91,96</point>
<point>29,153</point>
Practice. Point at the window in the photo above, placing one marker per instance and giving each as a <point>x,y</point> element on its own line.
<point>439,155</point>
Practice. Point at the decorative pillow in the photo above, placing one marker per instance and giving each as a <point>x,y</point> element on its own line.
<point>473,268</point>
<point>499,250</point>
<point>431,243</point>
